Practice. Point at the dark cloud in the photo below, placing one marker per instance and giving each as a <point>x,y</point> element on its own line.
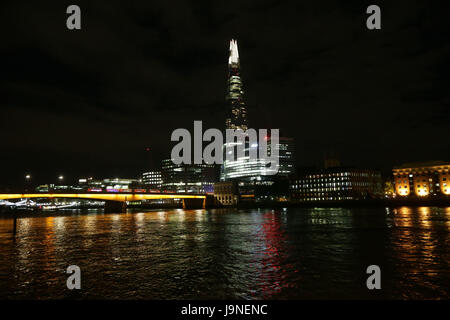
<point>89,102</point>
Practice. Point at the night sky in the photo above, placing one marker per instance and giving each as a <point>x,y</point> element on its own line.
<point>104,100</point>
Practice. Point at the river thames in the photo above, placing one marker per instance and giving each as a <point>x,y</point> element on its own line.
<point>294,253</point>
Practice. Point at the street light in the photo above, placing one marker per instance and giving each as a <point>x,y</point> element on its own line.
<point>61,178</point>
<point>27,182</point>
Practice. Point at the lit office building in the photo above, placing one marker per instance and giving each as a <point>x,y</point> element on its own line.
<point>152,179</point>
<point>422,179</point>
<point>188,178</point>
<point>111,184</point>
<point>336,184</point>
<point>245,169</point>
<point>286,157</point>
<point>57,188</point>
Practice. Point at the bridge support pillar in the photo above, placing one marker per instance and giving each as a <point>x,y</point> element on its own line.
<point>115,207</point>
<point>210,201</point>
<point>194,203</point>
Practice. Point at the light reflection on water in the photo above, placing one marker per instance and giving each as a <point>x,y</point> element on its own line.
<point>245,254</point>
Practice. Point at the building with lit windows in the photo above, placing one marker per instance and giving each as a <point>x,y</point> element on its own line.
<point>112,184</point>
<point>152,179</point>
<point>255,181</point>
<point>226,193</point>
<point>336,184</point>
<point>187,178</point>
<point>247,170</point>
<point>422,179</point>
<point>286,156</point>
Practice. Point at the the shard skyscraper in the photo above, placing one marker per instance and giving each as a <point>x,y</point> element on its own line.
<point>237,112</point>
<point>241,168</point>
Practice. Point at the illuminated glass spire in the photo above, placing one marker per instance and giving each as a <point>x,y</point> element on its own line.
<point>234,53</point>
<point>237,113</point>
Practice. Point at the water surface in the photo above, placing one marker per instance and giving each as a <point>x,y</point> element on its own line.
<point>314,253</point>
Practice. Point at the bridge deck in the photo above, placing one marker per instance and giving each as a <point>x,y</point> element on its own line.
<point>102,196</point>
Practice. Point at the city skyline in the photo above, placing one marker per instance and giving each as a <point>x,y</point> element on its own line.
<point>68,111</point>
<point>224,158</point>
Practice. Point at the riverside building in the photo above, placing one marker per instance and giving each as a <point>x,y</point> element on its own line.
<point>336,184</point>
<point>422,179</point>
